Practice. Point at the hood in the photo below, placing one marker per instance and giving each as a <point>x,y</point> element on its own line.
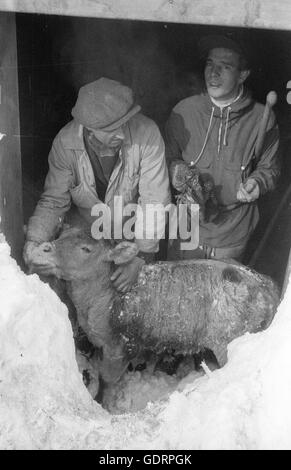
<point>226,116</point>
<point>238,108</point>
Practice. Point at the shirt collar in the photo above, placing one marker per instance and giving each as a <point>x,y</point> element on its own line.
<point>224,105</point>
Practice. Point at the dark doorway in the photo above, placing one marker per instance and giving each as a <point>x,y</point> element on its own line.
<point>57,55</point>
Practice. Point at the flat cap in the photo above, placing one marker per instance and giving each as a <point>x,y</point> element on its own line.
<point>104,104</point>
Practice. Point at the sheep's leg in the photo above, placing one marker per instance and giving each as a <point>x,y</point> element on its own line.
<point>113,363</point>
<point>146,358</point>
<point>88,368</point>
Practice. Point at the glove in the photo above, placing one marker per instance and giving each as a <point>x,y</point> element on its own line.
<point>248,191</point>
<point>125,276</point>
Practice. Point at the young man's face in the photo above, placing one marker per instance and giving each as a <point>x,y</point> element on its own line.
<point>223,76</point>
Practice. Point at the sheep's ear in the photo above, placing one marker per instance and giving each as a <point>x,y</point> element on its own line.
<point>123,252</point>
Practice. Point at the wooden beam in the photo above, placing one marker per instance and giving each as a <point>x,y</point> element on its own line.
<point>10,160</point>
<point>272,14</point>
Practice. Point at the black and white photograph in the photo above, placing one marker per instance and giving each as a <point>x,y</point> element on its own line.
<point>145,227</point>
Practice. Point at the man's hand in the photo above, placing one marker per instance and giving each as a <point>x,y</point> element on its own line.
<point>248,191</point>
<point>126,275</point>
<point>28,252</point>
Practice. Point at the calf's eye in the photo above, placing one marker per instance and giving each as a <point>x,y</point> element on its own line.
<point>86,249</point>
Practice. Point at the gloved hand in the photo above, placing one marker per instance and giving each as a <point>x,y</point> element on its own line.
<point>126,275</point>
<point>248,191</point>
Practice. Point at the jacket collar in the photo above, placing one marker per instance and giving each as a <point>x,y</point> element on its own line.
<point>239,107</point>
<point>72,137</point>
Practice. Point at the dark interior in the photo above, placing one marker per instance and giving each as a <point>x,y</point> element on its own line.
<point>57,55</point>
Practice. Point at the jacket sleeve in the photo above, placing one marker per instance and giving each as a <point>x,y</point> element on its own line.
<point>174,132</point>
<point>55,201</point>
<point>154,191</point>
<point>267,169</point>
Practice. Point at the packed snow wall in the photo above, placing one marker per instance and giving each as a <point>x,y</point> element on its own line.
<point>44,404</point>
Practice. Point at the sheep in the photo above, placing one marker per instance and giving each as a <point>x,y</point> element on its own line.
<point>180,306</point>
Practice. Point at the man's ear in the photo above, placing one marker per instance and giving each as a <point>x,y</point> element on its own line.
<point>244,75</point>
<point>122,253</point>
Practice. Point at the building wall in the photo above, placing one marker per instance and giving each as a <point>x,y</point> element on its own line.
<point>10,163</point>
<point>248,13</point>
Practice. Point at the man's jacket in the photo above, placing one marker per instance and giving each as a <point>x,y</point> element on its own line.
<point>139,176</point>
<point>221,143</point>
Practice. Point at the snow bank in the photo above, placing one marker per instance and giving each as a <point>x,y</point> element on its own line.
<point>136,389</point>
<point>44,404</point>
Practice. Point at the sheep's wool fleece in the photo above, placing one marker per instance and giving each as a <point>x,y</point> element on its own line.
<point>44,404</point>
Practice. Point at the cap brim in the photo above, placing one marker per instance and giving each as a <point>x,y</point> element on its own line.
<point>116,124</point>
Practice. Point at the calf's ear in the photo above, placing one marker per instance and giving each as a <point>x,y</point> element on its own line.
<point>123,252</point>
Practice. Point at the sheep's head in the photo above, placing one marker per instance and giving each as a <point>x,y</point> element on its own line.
<point>257,295</point>
<point>247,303</point>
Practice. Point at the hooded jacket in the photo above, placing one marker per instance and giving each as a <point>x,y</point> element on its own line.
<point>221,143</point>
<point>139,176</point>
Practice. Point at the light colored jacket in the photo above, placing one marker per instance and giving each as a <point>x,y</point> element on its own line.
<point>140,176</point>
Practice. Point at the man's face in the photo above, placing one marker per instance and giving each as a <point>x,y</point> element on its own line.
<point>109,139</point>
<point>222,74</point>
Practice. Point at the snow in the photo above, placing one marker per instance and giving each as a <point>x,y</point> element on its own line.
<point>135,390</point>
<point>45,405</point>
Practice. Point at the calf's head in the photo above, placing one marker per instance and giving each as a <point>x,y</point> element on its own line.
<point>76,255</point>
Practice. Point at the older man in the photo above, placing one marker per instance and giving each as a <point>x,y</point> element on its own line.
<point>109,149</point>
<point>217,132</point>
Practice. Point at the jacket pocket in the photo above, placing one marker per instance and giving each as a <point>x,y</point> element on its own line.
<point>82,196</point>
<point>231,179</point>
<point>205,162</point>
<point>236,159</point>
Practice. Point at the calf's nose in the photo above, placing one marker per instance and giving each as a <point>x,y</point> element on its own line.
<point>47,247</point>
